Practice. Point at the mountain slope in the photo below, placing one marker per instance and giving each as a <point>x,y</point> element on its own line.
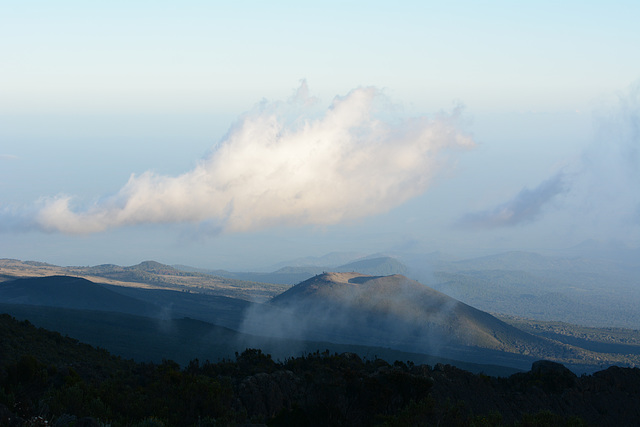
<point>397,312</point>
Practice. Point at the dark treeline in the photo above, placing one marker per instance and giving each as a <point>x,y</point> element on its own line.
<point>48,379</point>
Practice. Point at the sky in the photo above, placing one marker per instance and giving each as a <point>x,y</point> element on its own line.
<point>240,135</point>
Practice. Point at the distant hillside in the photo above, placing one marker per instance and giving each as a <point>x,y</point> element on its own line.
<point>148,274</point>
<point>287,276</point>
<point>291,275</point>
<point>381,266</point>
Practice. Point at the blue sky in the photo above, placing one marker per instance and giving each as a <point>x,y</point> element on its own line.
<point>544,153</point>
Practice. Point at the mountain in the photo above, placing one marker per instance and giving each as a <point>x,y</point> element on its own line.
<point>71,292</point>
<point>397,312</point>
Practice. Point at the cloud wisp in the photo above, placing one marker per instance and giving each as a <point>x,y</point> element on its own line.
<point>600,185</point>
<point>282,165</point>
<point>524,207</point>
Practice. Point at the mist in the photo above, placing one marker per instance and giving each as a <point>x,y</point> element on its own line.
<point>283,163</point>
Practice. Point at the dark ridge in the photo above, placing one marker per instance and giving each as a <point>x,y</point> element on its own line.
<point>70,292</point>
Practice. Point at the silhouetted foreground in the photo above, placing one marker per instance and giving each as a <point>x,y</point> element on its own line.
<point>47,379</point>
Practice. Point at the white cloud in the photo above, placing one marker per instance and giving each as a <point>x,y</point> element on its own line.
<point>282,165</point>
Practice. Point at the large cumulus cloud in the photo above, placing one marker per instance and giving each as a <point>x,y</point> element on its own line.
<point>282,165</point>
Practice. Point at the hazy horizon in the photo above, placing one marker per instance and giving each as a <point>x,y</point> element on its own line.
<point>240,136</point>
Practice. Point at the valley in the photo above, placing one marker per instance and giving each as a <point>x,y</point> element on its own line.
<point>389,315</point>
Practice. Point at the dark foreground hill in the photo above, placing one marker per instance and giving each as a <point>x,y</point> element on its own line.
<point>47,379</point>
